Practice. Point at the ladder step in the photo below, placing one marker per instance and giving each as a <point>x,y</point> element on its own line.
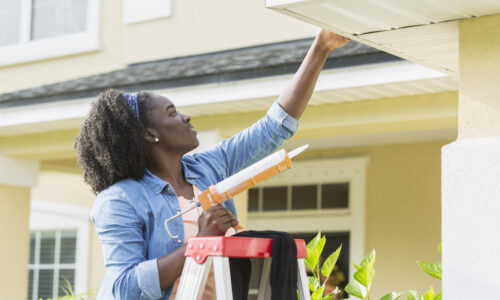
<point>199,248</point>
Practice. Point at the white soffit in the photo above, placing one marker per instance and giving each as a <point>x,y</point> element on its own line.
<point>423,31</point>
<point>334,86</point>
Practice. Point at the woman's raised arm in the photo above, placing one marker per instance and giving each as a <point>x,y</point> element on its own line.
<point>296,95</point>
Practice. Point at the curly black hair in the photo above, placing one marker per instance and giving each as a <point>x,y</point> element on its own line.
<point>110,144</point>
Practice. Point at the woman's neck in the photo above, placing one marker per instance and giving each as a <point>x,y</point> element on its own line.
<point>168,167</point>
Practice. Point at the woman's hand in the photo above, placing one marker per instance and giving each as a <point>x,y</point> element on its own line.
<point>331,40</point>
<point>216,221</point>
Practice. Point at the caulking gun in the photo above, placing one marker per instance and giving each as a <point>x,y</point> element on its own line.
<point>241,181</point>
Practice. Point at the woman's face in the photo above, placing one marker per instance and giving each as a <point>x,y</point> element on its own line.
<point>173,130</point>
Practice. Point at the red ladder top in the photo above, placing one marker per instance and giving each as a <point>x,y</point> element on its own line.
<point>199,248</point>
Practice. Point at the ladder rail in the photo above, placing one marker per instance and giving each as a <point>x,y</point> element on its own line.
<point>265,283</point>
<point>193,279</point>
<point>302,281</point>
<point>222,274</point>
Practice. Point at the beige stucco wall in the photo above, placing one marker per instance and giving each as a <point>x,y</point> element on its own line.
<point>208,26</point>
<point>14,216</point>
<point>479,48</point>
<point>194,27</point>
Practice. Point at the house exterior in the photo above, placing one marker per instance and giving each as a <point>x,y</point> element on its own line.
<point>375,125</point>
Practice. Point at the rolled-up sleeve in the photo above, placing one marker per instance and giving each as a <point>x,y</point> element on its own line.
<point>277,113</point>
<point>129,275</point>
<point>251,144</point>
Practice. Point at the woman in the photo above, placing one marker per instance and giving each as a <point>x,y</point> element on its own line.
<point>132,149</point>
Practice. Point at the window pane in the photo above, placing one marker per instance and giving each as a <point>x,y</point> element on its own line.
<point>57,17</point>
<point>30,284</point>
<point>253,199</point>
<point>305,197</point>
<point>47,247</point>
<point>45,281</point>
<point>274,198</point>
<point>335,195</point>
<point>10,14</point>
<point>66,277</point>
<point>32,248</point>
<point>68,247</point>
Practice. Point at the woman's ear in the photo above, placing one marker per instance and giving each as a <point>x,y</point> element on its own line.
<point>151,136</point>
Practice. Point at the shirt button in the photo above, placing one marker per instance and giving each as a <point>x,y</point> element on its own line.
<point>179,241</point>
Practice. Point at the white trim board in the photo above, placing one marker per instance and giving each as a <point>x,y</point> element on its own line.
<point>69,114</point>
<point>136,11</point>
<point>17,172</point>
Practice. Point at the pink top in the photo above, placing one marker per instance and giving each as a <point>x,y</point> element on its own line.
<point>190,221</point>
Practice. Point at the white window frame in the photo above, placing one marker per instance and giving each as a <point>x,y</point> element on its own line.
<point>137,11</point>
<point>30,50</point>
<point>57,216</point>
<point>351,219</point>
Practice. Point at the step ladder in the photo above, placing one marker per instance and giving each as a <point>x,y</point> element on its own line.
<point>201,252</point>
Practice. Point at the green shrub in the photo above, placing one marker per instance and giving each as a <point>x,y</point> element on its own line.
<point>361,284</point>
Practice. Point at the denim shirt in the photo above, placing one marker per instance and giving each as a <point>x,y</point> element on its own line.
<point>129,215</point>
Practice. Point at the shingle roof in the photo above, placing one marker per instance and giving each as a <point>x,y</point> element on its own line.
<point>237,64</point>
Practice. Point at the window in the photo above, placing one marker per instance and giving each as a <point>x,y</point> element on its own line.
<point>314,195</point>
<point>58,249</point>
<point>52,264</point>
<point>299,197</point>
<point>39,29</point>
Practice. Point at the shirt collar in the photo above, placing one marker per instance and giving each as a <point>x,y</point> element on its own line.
<point>157,184</point>
<point>188,173</point>
<point>154,182</point>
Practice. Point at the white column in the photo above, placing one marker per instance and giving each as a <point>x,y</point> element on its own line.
<point>471,170</point>
<point>16,179</point>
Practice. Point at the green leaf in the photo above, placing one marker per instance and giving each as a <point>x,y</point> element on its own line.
<point>433,269</point>
<point>413,295</point>
<point>330,296</point>
<point>356,266</point>
<point>392,296</point>
<point>318,294</point>
<point>365,275</point>
<point>330,262</point>
<point>429,295</point>
<point>440,248</point>
<point>313,283</point>
<point>369,259</point>
<point>314,249</point>
<point>439,296</point>
<point>354,288</point>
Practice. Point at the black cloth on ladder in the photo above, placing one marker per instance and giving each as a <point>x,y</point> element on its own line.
<point>283,275</point>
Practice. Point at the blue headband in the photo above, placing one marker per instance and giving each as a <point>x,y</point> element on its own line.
<point>133,102</point>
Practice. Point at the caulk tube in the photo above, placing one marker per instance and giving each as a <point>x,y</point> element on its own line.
<point>248,177</point>
<point>245,179</point>
<point>251,176</point>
